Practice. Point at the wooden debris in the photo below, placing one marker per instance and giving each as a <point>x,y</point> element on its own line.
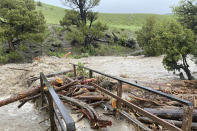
<point>95,104</point>
<point>23,101</point>
<point>89,112</point>
<point>175,122</point>
<point>144,102</point>
<point>32,92</point>
<point>93,98</point>
<point>66,55</point>
<point>18,69</point>
<point>170,113</point>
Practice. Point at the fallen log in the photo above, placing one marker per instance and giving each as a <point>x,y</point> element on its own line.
<point>93,98</point>
<point>89,112</point>
<point>23,101</point>
<point>176,123</point>
<point>95,104</point>
<point>170,113</point>
<point>20,96</point>
<point>80,92</point>
<point>90,88</point>
<point>144,102</point>
<point>18,69</point>
<point>32,92</point>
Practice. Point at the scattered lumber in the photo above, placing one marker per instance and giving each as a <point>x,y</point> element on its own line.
<point>170,113</point>
<point>23,101</point>
<point>93,98</point>
<point>95,104</point>
<point>66,55</point>
<point>144,102</point>
<point>18,69</point>
<point>89,112</point>
<point>90,88</point>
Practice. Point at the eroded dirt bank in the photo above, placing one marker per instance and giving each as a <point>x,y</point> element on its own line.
<point>13,79</point>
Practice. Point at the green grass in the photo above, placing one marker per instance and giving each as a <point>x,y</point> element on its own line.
<point>52,14</point>
<point>129,21</point>
<point>132,22</point>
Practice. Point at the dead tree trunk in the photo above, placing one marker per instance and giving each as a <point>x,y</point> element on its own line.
<point>173,113</point>
<point>32,92</point>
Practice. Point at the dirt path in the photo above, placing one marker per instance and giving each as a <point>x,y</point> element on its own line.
<point>12,81</point>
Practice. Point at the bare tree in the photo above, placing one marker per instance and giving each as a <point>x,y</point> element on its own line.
<point>83,6</point>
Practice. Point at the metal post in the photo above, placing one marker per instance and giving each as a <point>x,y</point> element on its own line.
<point>119,94</point>
<point>187,118</point>
<point>51,112</point>
<point>74,69</point>
<point>90,74</point>
<point>42,91</point>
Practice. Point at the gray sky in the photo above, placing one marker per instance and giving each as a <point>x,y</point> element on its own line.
<point>129,6</point>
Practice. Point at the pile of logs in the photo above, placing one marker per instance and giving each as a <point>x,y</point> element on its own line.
<point>169,110</point>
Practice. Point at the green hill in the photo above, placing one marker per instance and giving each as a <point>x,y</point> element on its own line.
<point>133,22</point>
<point>53,14</point>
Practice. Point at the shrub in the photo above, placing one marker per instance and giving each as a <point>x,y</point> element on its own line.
<point>3,59</point>
<point>11,57</point>
<point>145,38</point>
<point>39,3</point>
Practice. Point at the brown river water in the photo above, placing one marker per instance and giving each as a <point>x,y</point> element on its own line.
<point>133,68</point>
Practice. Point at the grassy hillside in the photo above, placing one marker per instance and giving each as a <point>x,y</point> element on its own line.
<point>52,14</point>
<point>129,21</point>
<point>132,22</point>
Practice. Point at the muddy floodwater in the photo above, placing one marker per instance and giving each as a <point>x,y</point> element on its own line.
<point>13,80</point>
<point>134,68</point>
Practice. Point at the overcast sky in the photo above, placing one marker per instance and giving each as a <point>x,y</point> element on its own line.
<point>129,6</point>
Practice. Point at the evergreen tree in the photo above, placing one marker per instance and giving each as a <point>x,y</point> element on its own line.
<point>19,22</point>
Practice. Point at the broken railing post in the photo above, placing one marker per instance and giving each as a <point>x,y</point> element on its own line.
<point>90,74</point>
<point>187,118</point>
<point>74,69</point>
<point>42,91</point>
<point>119,94</point>
<point>51,111</point>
